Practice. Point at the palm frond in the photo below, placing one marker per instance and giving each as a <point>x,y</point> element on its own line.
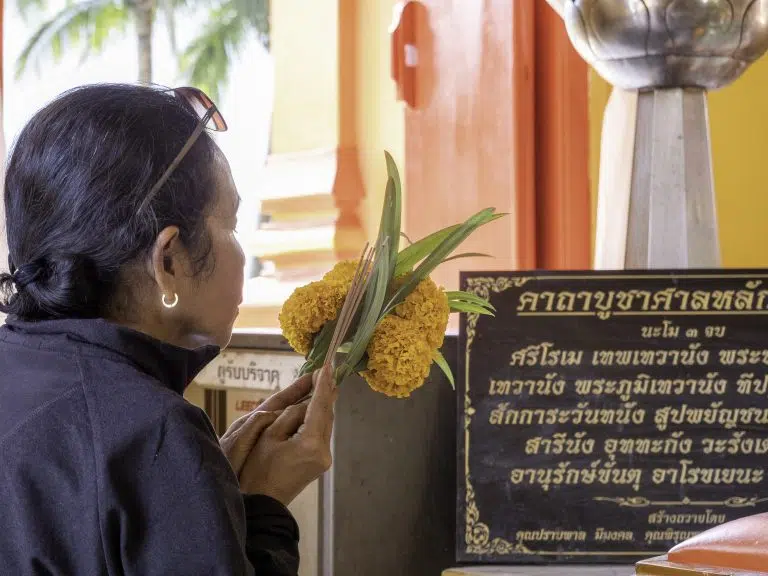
<point>256,12</point>
<point>87,24</point>
<point>206,61</point>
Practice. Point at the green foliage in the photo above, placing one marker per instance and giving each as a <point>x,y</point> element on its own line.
<point>88,24</point>
<point>442,363</point>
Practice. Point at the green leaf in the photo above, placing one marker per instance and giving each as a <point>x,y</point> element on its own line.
<point>417,251</point>
<point>461,296</point>
<point>382,241</point>
<point>397,209</point>
<point>467,255</point>
<point>443,364</point>
<point>411,255</point>
<point>435,258</point>
<point>319,349</point>
<point>390,222</point>
<point>371,312</point>
<point>83,24</point>
<point>467,307</point>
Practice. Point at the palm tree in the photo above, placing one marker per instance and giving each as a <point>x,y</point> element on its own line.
<point>87,24</point>
<point>206,60</point>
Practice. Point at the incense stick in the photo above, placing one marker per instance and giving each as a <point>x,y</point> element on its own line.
<point>351,303</point>
<point>360,282</point>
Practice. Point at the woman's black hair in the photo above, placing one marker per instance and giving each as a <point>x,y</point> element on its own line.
<point>75,179</point>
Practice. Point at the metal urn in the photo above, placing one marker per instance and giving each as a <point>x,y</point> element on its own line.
<point>662,55</point>
<point>639,44</point>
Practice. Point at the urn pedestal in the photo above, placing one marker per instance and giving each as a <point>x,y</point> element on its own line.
<point>656,206</point>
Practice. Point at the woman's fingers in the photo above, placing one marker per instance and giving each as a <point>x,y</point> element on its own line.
<point>319,419</point>
<point>238,423</point>
<point>296,449</point>
<point>279,400</point>
<point>289,422</point>
<point>288,396</point>
<point>238,444</point>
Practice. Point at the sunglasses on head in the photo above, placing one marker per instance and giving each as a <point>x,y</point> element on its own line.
<point>210,118</point>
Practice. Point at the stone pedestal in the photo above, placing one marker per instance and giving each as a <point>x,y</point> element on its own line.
<point>656,206</point>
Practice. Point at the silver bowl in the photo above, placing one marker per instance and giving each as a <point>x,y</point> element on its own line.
<point>645,44</point>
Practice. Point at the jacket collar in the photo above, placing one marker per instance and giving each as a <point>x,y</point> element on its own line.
<point>173,366</point>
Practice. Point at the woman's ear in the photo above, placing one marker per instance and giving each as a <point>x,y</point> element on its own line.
<point>165,263</point>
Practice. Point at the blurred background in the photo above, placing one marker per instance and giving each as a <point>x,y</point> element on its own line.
<point>482,103</point>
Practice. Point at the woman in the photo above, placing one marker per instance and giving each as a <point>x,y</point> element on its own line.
<point>125,280</point>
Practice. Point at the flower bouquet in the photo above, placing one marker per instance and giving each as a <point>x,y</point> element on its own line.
<point>383,317</point>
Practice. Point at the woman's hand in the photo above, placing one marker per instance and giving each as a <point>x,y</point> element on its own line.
<point>294,448</point>
<point>238,441</point>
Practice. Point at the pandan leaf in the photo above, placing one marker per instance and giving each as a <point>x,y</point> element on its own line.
<point>467,255</point>
<point>461,296</point>
<point>443,364</point>
<point>434,259</point>
<point>397,209</point>
<point>417,251</point>
<point>319,349</point>
<point>469,308</point>
<point>381,241</point>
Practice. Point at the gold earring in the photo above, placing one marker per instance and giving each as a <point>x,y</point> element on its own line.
<point>171,304</point>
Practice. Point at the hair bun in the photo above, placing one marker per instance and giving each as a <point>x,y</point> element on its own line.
<point>26,274</point>
<point>65,286</point>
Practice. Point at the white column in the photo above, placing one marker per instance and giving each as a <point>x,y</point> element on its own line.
<point>656,204</point>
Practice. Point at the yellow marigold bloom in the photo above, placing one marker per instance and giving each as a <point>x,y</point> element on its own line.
<point>399,357</point>
<point>307,309</point>
<point>342,272</point>
<point>427,305</point>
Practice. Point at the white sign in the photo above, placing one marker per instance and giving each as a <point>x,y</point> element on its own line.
<point>259,370</point>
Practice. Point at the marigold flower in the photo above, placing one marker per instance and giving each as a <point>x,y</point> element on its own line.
<point>399,357</point>
<point>342,272</point>
<point>427,305</point>
<point>392,347</point>
<point>307,309</point>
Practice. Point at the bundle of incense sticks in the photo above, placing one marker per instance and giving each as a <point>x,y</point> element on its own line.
<point>357,289</point>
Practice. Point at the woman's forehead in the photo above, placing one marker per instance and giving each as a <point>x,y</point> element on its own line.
<point>227,197</point>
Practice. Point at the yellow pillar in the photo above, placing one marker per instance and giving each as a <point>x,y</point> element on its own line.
<point>380,117</point>
<point>311,188</point>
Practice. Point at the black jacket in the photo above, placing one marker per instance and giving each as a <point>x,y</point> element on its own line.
<point>106,469</point>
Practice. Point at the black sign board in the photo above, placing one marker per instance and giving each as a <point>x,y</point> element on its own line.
<point>604,417</point>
